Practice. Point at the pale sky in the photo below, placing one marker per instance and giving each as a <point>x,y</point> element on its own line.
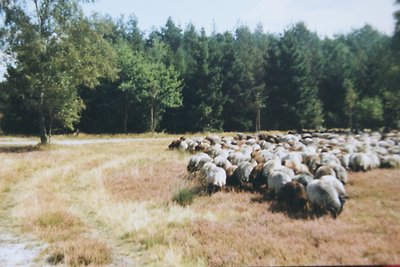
<point>327,17</point>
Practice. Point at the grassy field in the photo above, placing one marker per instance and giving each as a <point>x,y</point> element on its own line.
<point>104,204</point>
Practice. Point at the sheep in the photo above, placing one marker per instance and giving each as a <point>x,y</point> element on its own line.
<point>241,174</point>
<point>214,139</point>
<point>256,155</point>
<point>391,161</point>
<point>297,168</point>
<point>313,161</point>
<point>278,178</point>
<point>293,195</point>
<point>344,160</point>
<point>215,178</point>
<point>341,173</point>
<point>360,162</point>
<point>238,157</point>
<point>269,166</point>
<point>329,159</point>
<point>197,161</point>
<point>222,162</point>
<point>333,181</point>
<point>304,178</point>
<point>229,173</point>
<point>324,170</point>
<point>256,176</point>
<point>324,197</point>
<point>183,145</point>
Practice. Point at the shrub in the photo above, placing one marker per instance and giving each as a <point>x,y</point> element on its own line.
<point>183,197</point>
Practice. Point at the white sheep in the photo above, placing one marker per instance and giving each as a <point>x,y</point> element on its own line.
<point>197,161</point>
<point>215,178</point>
<point>333,181</point>
<point>360,162</point>
<point>222,162</point>
<point>323,196</point>
<point>278,178</point>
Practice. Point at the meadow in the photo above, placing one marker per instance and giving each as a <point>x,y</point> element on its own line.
<point>111,204</point>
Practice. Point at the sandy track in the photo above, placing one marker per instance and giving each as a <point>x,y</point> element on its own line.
<point>17,252</point>
<point>72,142</point>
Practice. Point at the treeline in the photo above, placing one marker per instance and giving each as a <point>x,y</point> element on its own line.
<point>180,79</point>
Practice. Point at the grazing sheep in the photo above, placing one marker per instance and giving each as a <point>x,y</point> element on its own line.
<point>241,174</point>
<point>270,166</point>
<point>258,157</point>
<point>324,197</point>
<point>230,171</point>
<point>360,162</point>
<point>313,162</point>
<point>174,144</point>
<point>333,181</point>
<point>324,170</point>
<point>341,173</point>
<point>197,161</point>
<point>278,178</point>
<point>183,145</point>
<point>214,139</point>
<point>238,157</point>
<point>293,195</point>
<point>344,160</point>
<point>222,162</point>
<point>256,176</point>
<point>391,161</point>
<point>304,178</point>
<point>329,159</point>
<point>215,178</point>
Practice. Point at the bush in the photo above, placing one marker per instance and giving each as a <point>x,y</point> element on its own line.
<point>183,197</point>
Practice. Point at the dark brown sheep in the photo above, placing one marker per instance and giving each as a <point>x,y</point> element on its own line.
<point>293,195</point>
<point>256,176</point>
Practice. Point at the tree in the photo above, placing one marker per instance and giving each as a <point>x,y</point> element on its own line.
<point>350,101</point>
<point>202,94</point>
<point>369,113</point>
<point>56,50</point>
<point>336,69</point>
<point>148,82</point>
<point>293,93</point>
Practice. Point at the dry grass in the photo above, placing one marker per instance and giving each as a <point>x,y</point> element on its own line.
<point>82,251</point>
<point>55,226</point>
<point>117,198</point>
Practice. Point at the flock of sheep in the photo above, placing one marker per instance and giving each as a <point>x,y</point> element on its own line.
<point>298,170</point>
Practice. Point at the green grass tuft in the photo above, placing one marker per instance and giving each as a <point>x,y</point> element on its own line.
<point>183,197</point>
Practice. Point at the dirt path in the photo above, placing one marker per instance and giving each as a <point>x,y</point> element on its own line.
<point>17,252</point>
<point>72,142</point>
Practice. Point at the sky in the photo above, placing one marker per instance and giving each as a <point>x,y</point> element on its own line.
<point>326,17</point>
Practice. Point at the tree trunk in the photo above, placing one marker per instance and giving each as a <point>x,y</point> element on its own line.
<point>152,118</point>
<point>258,120</point>
<point>351,120</point>
<point>44,138</point>
<point>126,118</point>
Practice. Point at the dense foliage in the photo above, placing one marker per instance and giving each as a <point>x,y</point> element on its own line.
<point>181,79</point>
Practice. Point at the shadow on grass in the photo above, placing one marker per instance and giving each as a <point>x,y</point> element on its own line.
<point>26,148</point>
